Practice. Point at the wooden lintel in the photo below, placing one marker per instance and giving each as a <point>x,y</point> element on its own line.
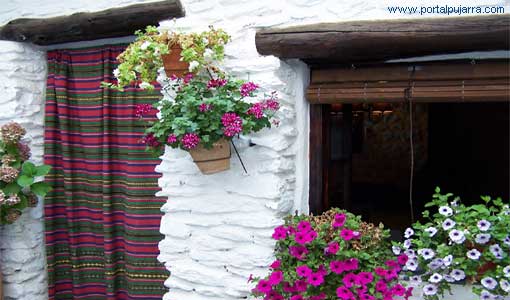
<point>375,41</point>
<point>115,22</point>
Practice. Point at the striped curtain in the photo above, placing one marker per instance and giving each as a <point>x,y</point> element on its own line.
<point>102,217</point>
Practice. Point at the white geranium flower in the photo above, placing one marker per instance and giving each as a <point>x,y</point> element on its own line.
<point>116,72</point>
<point>193,65</point>
<point>505,286</point>
<point>431,231</point>
<point>396,250</point>
<point>458,274</point>
<point>483,238</point>
<point>448,224</point>
<point>473,254</point>
<point>426,253</point>
<point>457,236</point>
<point>429,290</point>
<point>445,211</point>
<point>145,85</point>
<point>447,260</point>
<point>408,233</point>
<point>208,55</point>
<point>145,45</point>
<point>489,283</point>
<point>435,278</point>
<point>483,225</point>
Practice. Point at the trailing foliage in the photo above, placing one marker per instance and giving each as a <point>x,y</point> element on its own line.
<point>18,185</point>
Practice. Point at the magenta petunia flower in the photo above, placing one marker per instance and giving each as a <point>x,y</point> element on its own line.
<point>321,296</point>
<point>298,252</point>
<point>247,88</point>
<point>303,271</point>
<point>332,248</point>
<point>190,140</point>
<point>279,233</point>
<point>344,293</point>
<point>288,288</point>
<point>351,264</point>
<point>365,277</point>
<point>351,279</point>
<point>315,279</point>
<point>337,267</point>
<point>347,234</point>
<point>232,124</point>
<point>339,220</point>
<point>398,290</point>
<point>402,259</point>
<point>304,226</point>
<point>300,286</point>
<point>275,278</point>
<point>297,297</point>
<point>381,286</point>
<point>276,264</point>
<point>263,286</point>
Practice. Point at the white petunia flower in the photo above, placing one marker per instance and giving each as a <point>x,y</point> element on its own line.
<point>410,253</point>
<point>506,270</point>
<point>448,224</point>
<point>411,265</point>
<point>482,238</point>
<point>505,286</point>
<point>193,65</point>
<point>435,264</point>
<point>396,250</point>
<point>145,85</point>
<point>445,211</point>
<point>457,236</point>
<point>483,225</point>
<point>415,280</point>
<point>408,233</point>
<point>435,278</point>
<point>426,253</point>
<point>458,274</point>
<point>496,251</point>
<point>473,254</point>
<point>431,231</point>
<point>447,260</point>
<point>407,244</point>
<point>489,283</point>
<point>486,295</point>
<point>507,240</point>
<point>429,290</point>
<point>448,278</point>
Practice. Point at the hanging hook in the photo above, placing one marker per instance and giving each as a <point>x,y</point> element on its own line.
<point>473,61</point>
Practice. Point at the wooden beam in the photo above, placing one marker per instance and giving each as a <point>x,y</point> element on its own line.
<point>375,41</point>
<point>115,22</point>
<point>318,155</point>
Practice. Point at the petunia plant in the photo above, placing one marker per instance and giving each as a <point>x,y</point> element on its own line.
<point>460,244</point>
<point>18,185</point>
<point>332,256</point>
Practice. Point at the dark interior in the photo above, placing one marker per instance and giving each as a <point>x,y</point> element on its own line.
<point>464,150</point>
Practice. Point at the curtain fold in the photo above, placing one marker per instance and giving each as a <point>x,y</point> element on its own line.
<point>102,217</point>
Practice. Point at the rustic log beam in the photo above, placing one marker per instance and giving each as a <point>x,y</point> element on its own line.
<point>115,22</point>
<point>375,41</point>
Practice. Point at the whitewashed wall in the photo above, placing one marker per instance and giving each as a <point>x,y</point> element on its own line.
<point>22,85</point>
<point>216,227</point>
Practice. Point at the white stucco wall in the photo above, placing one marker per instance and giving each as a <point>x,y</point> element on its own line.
<point>217,228</point>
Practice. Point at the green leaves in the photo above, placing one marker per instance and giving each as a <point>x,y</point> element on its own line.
<point>25,181</point>
<point>40,188</point>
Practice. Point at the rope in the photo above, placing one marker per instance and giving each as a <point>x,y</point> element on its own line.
<point>409,97</point>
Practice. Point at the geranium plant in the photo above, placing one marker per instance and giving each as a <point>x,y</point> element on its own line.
<point>460,244</point>
<point>332,256</point>
<point>18,186</point>
<point>142,59</point>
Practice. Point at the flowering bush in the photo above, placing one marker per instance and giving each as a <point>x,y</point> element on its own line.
<point>206,105</point>
<point>18,188</point>
<point>460,244</point>
<point>142,59</point>
<point>332,256</point>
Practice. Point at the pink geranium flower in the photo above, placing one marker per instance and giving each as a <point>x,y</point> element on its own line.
<point>247,88</point>
<point>190,140</point>
<point>232,124</point>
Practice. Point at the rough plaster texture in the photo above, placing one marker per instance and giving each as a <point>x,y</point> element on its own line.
<point>22,256</point>
<point>216,227</point>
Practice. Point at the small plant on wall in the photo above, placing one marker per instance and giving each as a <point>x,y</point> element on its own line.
<point>332,256</point>
<point>18,186</point>
<point>460,244</point>
<point>206,106</point>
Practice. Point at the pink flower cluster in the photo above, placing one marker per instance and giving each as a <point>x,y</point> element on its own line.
<point>150,140</point>
<point>232,124</point>
<point>142,109</point>
<point>171,139</point>
<point>327,277</point>
<point>190,140</point>
<point>203,107</point>
<point>214,83</point>
<point>247,88</point>
<point>258,109</point>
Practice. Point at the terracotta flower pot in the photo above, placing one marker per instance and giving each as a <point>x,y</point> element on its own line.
<point>214,160</point>
<point>173,64</point>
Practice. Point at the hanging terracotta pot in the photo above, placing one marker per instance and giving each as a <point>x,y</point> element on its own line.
<point>173,64</point>
<point>214,160</point>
